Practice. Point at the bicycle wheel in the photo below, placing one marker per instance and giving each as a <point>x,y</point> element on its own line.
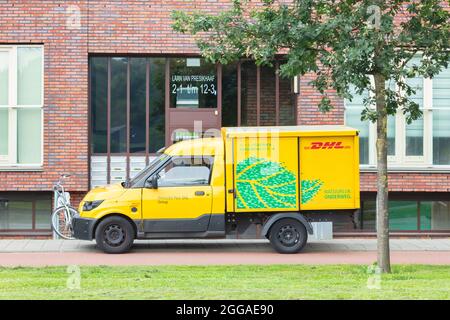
<point>62,221</point>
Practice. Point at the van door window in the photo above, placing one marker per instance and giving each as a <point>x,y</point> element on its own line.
<point>185,171</point>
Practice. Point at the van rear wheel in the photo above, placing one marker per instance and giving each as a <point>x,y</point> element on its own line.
<point>288,236</point>
<point>114,235</point>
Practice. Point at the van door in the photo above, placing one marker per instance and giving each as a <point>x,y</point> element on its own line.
<point>182,199</point>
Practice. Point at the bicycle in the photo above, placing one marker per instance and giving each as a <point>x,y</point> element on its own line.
<point>64,212</point>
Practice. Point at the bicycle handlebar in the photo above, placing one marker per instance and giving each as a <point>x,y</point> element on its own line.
<point>58,185</point>
<point>62,177</point>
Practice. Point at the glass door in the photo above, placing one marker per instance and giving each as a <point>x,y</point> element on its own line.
<point>194,105</point>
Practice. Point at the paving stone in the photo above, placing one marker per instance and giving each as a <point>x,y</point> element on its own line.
<point>16,245</point>
<point>227,245</point>
<point>52,245</point>
<point>34,246</point>
<point>4,244</point>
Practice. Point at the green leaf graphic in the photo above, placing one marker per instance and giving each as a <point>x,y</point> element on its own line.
<point>310,189</point>
<point>261,183</point>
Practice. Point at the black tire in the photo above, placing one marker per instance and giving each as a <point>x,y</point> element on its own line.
<point>114,235</point>
<point>288,236</point>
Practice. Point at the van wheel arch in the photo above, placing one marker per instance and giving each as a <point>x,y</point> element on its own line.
<point>133,224</point>
<point>285,215</point>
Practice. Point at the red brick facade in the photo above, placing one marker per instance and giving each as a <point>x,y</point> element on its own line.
<point>65,91</point>
<point>123,27</point>
<point>409,182</point>
<point>308,100</point>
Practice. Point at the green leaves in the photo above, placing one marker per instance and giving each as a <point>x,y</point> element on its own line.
<point>310,189</point>
<point>261,183</point>
<point>325,104</point>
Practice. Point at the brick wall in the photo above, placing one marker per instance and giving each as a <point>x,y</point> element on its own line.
<point>308,101</point>
<point>126,27</point>
<point>115,27</point>
<point>412,182</point>
<point>65,90</point>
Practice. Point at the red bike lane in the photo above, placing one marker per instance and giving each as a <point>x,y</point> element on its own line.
<point>37,259</point>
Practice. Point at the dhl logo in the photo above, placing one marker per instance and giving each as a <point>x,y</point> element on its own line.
<point>327,145</point>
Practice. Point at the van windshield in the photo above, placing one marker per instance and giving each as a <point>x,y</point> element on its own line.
<point>154,164</point>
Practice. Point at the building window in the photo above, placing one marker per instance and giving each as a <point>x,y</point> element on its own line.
<point>414,132</point>
<point>391,136</point>
<point>441,118</point>
<point>127,105</point>
<point>427,215</point>
<point>434,215</point>
<point>353,119</point>
<point>193,83</point>
<point>118,105</point>
<point>128,93</point>
<point>368,216</point>
<point>140,104</point>
<point>249,98</point>
<point>98,97</point>
<point>25,212</point>
<point>403,215</point>
<point>157,133</point>
<point>407,215</point>
<point>286,100</point>
<point>424,142</point>
<point>127,115</point>
<point>264,97</point>
<point>138,90</point>
<point>21,102</point>
<point>229,95</point>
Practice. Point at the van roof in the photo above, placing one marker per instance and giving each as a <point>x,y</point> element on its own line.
<point>204,146</point>
<point>319,130</point>
<point>214,146</point>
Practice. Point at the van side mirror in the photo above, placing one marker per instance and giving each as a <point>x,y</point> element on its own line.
<point>152,183</point>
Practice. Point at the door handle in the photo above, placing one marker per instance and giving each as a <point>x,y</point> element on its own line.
<point>231,191</point>
<point>199,193</point>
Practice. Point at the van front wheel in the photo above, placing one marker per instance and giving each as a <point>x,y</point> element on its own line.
<point>288,236</point>
<point>114,235</point>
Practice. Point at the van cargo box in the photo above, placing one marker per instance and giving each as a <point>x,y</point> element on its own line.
<point>292,168</point>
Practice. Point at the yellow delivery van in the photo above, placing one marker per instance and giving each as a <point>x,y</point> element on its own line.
<point>263,177</point>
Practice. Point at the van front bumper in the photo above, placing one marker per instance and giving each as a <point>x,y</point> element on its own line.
<point>83,228</point>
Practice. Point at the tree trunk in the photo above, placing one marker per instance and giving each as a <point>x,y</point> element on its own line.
<point>383,259</point>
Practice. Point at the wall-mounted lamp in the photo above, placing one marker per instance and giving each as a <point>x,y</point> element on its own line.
<point>296,84</point>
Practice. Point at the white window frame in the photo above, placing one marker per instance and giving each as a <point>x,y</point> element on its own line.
<point>401,159</point>
<point>10,161</point>
<point>371,138</point>
<point>401,162</point>
<point>430,111</point>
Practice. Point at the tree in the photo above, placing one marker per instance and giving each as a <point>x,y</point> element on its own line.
<point>351,46</point>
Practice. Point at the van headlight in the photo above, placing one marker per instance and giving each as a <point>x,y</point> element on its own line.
<point>91,205</point>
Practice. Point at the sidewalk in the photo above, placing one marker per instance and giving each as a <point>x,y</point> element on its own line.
<point>223,245</point>
<point>213,252</point>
